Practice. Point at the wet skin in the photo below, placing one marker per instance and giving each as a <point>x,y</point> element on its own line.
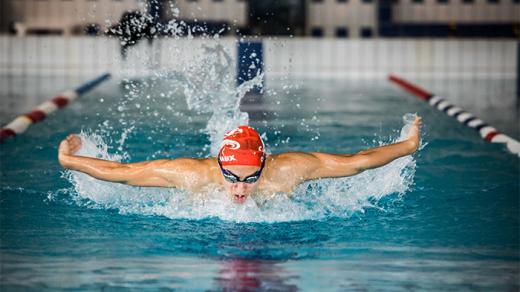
<point>281,174</point>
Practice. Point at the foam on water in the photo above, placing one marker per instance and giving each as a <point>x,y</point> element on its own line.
<point>310,201</point>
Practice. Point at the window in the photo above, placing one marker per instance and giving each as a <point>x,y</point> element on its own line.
<point>342,32</point>
<point>317,32</point>
<point>366,32</point>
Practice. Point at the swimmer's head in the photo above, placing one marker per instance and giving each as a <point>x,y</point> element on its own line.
<point>241,159</point>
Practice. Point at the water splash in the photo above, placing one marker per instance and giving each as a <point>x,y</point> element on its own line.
<point>310,201</point>
<point>206,79</point>
<point>209,87</point>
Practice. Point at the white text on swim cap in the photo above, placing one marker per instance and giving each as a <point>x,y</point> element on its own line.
<point>227,158</point>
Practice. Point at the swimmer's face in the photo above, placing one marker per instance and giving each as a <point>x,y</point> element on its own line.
<point>240,191</point>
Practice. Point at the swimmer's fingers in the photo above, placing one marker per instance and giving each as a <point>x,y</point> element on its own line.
<point>417,121</point>
<point>64,147</point>
<point>74,143</point>
<point>414,136</point>
<point>72,137</point>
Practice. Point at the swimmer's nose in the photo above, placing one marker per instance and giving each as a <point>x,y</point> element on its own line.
<point>239,186</point>
<point>240,196</point>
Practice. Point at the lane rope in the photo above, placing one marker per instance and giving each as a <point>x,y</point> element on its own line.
<point>487,132</point>
<point>38,114</point>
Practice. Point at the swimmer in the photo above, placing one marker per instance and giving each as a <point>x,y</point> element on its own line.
<point>242,167</point>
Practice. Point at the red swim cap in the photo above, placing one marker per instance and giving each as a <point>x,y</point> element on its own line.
<point>242,146</point>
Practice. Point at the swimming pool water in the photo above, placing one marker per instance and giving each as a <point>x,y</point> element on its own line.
<point>449,221</point>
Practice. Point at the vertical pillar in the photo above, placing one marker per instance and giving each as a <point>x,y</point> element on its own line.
<point>518,72</point>
<point>384,18</point>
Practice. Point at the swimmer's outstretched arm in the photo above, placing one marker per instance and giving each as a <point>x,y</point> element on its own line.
<point>321,165</point>
<point>182,173</point>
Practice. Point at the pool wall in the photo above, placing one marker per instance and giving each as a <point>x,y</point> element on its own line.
<point>294,57</point>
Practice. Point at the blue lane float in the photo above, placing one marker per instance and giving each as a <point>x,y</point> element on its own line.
<point>89,85</point>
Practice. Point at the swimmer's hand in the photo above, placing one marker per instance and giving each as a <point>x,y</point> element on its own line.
<point>69,145</point>
<point>414,136</point>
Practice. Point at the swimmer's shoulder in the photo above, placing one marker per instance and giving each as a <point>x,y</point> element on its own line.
<point>203,166</point>
<point>211,170</point>
<point>284,171</point>
<point>191,173</point>
<point>289,158</point>
<point>189,162</point>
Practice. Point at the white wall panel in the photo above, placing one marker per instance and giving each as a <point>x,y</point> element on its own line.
<point>283,57</point>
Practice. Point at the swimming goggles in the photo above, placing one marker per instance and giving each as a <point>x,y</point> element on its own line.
<point>233,178</point>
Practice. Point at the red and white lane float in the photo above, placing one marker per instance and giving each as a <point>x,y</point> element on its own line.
<point>486,131</point>
<point>21,123</point>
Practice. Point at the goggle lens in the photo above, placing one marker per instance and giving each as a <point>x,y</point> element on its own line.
<point>232,178</point>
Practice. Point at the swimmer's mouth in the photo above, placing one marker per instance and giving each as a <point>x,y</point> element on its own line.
<point>240,199</point>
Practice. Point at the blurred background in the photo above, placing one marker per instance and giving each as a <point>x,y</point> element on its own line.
<point>317,18</point>
<point>465,50</point>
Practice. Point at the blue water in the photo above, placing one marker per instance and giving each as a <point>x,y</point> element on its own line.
<point>446,219</point>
